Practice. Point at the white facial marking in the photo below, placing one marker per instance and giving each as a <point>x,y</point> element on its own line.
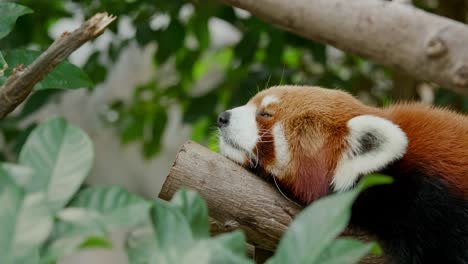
<point>269,99</point>
<point>230,152</point>
<point>239,137</point>
<point>391,144</point>
<point>282,158</point>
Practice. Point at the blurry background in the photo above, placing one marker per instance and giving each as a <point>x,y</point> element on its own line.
<point>166,68</point>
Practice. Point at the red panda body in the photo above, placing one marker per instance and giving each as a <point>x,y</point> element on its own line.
<point>438,142</point>
<point>317,141</point>
<point>423,216</point>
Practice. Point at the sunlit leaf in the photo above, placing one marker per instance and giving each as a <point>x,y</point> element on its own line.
<point>9,13</point>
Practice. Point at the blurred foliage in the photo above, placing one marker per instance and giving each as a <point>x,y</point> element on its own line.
<point>205,74</point>
<point>45,216</point>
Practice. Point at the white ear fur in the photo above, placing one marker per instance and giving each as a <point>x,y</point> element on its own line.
<point>373,142</point>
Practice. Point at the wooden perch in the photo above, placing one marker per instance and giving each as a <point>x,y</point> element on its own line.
<point>236,198</point>
<point>20,83</point>
<point>402,37</point>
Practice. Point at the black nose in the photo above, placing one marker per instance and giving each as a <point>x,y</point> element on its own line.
<point>223,119</point>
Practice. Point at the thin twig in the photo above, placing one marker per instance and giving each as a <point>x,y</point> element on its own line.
<point>20,83</point>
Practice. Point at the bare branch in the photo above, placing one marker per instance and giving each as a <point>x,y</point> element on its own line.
<point>19,84</point>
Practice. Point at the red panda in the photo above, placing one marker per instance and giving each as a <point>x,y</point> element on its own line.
<point>317,141</point>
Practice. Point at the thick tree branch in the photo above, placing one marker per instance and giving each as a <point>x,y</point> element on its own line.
<point>19,84</point>
<point>236,198</point>
<point>425,46</point>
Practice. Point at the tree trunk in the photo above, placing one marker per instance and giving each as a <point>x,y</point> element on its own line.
<point>236,198</point>
<point>425,46</point>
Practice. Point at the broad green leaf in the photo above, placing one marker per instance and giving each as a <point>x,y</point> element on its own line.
<point>172,230</point>
<point>9,13</point>
<point>344,250</point>
<point>105,199</point>
<point>194,208</point>
<point>117,206</point>
<point>11,197</point>
<point>61,156</point>
<point>315,228</point>
<point>33,226</point>
<point>64,76</point>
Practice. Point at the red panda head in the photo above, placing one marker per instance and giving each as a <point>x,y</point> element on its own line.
<point>310,138</point>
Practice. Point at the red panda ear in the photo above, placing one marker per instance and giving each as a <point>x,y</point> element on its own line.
<point>373,142</point>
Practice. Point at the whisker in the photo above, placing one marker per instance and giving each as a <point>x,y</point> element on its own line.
<point>279,189</point>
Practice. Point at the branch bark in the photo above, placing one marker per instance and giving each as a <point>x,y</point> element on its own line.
<point>236,198</point>
<point>20,83</point>
<point>425,46</point>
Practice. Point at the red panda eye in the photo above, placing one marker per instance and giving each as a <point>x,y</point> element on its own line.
<point>265,114</point>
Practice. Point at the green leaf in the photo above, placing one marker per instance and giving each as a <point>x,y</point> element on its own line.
<point>345,250</point>
<point>105,199</point>
<point>33,227</point>
<point>315,228</point>
<point>64,76</point>
<point>194,208</point>
<point>171,228</point>
<point>11,197</point>
<point>96,242</point>
<point>9,13</point>
<point>61,156</point>
<point>117,206</point>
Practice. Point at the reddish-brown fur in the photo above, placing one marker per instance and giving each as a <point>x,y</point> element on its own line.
<point>315,124</point>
